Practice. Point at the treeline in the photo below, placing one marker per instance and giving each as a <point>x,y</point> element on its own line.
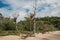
<point>42,24</point>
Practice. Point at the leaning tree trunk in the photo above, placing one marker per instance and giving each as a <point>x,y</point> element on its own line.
<point>16,27</point>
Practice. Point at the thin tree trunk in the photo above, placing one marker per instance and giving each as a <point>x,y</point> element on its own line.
<point>16,27</point>
<point>17,30</point>
<point>34,27</point>
<point>30,27</point>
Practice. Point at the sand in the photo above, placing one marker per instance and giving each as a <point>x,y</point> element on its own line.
<point>48,36</point>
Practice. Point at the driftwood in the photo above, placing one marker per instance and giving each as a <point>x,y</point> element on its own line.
<point>24,36</point>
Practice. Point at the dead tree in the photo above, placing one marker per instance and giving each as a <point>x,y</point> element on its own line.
<point>32,18</point>
<point>15,18</point>
<point>32,24</point>
<point>15,22</point>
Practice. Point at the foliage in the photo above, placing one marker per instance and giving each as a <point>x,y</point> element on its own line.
<point>44,24</point>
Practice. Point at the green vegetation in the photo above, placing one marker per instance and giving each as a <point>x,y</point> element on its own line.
<point>45,24</point>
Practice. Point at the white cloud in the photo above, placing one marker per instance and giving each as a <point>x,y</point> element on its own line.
<point>19,6</point>
<point>53,12</point>
<point>4,11</point>
<point>56,11</point>
<point>15,4</point>
<point>22,14</point>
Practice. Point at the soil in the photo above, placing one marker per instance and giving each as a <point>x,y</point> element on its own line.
<point>47,36</point>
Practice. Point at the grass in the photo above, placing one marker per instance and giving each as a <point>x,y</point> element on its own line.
<point>11,32</point>
<point>4,33</point>
<point>14,32</point>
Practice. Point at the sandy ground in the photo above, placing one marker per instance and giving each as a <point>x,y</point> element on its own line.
<point>48,36</point>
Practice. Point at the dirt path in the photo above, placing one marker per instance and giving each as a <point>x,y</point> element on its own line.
<point>48,36</point>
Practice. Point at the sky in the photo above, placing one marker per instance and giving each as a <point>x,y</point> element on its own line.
<point>22,8</point>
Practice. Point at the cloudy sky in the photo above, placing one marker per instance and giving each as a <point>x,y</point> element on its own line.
<point>9,8</point>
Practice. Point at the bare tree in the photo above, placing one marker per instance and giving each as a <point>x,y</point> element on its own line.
<point>35,4</point>
<point>1,17</point>
<point>15,21</point>
<point>32,23</point>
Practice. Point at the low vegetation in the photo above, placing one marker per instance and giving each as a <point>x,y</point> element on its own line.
<point>7,26</point>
